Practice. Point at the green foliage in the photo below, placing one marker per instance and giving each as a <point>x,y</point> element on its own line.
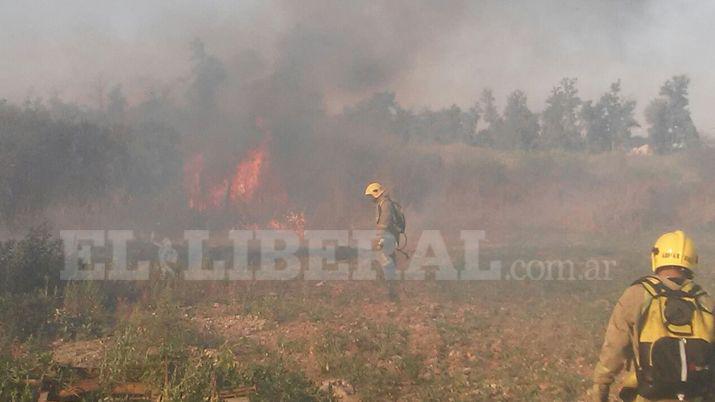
<point>19,374</point>
<point>380,111</point>
<point>63,153</point>
<point>608,122</point>
<point>520,127</point>
<point>273,308</point>
<point>29,274</point>
<point>374,357</point>
<point>27,315</point>
<point>446,126</point>
<point>275,381</point>
<point>157,346</point>
<point>383,114</point>
<point>160,347</point>
<point>32,263</point>
<point>83,314</point>
<point>671,126</point>
<point>44,160</point>
<point>561,125</point>
<point>487,107</point>
<point>155,161</point>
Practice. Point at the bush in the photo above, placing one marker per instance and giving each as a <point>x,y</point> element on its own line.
<point>82,315</point>
<point>21,370</point>
<point>31,264</point>
<point>275,382</point>
<point>159,346</point>
<point>28,315</point>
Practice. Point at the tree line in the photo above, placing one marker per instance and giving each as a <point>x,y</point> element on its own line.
<point>55,152</point>
<point>567,121</point>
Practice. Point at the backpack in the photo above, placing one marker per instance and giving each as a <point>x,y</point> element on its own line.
<point>675,342</point>
<point>398,217</point>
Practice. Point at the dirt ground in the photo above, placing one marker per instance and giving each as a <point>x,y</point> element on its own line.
<point>502,340</point>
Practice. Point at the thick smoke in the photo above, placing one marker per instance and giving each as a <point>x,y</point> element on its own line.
<point>232,77</point>
<point>431,53</point>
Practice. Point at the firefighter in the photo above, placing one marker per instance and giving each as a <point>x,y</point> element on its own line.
<point>662,330</point>
<point>389,221</point>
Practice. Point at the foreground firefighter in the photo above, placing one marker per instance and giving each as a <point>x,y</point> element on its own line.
<point>390,223</point>
<point>662,328</point>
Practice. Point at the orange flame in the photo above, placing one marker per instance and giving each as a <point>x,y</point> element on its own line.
<point>203,195</point>
<point>206,193</point>
<point>246,178</point>
<point>192,180</point>
<point>292,220</point>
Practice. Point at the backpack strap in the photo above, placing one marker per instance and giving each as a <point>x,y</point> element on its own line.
<point>696,292</point>
<point>652,290</point>
<point>693,289</point>
<point>653,285</point>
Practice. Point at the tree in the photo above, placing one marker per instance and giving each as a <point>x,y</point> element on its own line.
<point>448,125</point>
<point>208,75</point>
<point>561,128</point>
<point>520,127</point>
<point>380,111</point>
<point>383,114</point>
<point>117,104</point>
<point>609,122</point>
<point>671,126</point>
<point>487,108</point>
<point>44,160</point>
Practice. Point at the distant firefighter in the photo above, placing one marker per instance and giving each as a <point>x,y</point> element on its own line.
<point>390,223</point>
<point>662,329</point>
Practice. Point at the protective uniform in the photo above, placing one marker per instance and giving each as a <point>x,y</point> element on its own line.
<point>387,233</point>
<point>384,219</point>
<point>621,341</point>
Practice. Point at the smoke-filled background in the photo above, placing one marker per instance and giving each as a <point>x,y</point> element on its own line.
<point>430,53</point>
<point>226,114</point>
<point>573,132</point>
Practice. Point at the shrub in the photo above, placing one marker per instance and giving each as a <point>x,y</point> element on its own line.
<point>21,370</point>
<point>32,263</point>
<point>274,381</point>
<point>82,315</point>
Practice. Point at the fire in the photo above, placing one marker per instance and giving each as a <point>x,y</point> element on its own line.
<point>247,174</point>
<point>292,220</point>
<point>202,196</point>
<point>251,189</point>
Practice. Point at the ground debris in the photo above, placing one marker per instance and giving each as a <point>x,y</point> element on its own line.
<point>339,388</point>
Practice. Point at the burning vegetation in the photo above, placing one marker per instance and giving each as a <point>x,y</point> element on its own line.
<point>205,193</point>
<point>250,136</point>
<point>243,190</point>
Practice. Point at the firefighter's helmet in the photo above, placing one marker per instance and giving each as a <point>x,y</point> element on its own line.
<point>374,190</point>
<point>674,249</point>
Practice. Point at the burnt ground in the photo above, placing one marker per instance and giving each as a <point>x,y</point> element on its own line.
<point>482,340</point>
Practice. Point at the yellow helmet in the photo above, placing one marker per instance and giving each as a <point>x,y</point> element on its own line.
<point>374,189</point>
<point>674,249</point>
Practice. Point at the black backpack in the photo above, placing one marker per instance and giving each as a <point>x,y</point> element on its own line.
<point>398,217</point>
<point>675,349</point>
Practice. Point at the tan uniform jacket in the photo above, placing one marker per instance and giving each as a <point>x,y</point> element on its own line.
<point>622,333</point>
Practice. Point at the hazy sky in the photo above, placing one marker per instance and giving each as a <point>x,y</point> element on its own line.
<point>431,53</point>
